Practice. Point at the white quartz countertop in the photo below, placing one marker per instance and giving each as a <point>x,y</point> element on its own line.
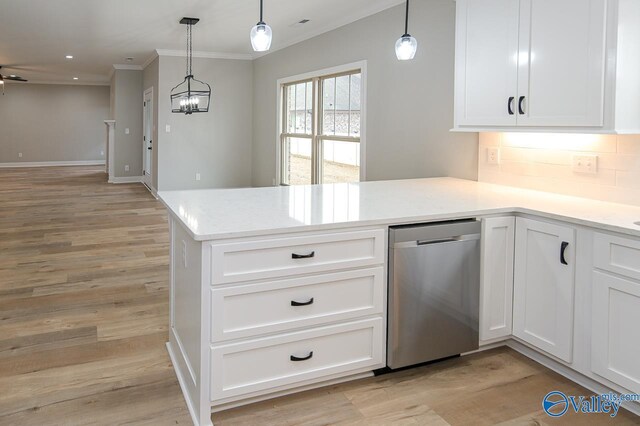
<point>212,214</point>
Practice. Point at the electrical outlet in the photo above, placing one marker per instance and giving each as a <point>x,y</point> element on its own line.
<point>126,168</point>
<point>493,155</point>
<point>102,153</point>
<point>126,131</point>
<point>184,254</point>
<point>167,128</point>
<point>197,176</point>
<point>19,155</point>
<point>587,164</point>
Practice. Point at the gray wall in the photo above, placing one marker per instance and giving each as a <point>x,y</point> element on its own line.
<point>150,78</point>
<point>128,115</point>
<point>409,104</point>
<point>216,144</point>
<point>53,122</point>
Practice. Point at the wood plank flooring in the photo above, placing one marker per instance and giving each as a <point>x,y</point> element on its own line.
<point>84,314</point>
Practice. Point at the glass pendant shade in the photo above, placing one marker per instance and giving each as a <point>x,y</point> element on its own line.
<point>406,47</point>
<point>261,37</point>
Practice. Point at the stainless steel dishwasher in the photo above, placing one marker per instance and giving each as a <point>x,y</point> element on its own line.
<point>434,291</point>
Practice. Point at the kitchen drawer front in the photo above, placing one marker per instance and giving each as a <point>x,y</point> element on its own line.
<point>618,255</point>
<point>278,257</point>
<point>251,310</point>
<point>257,365</point>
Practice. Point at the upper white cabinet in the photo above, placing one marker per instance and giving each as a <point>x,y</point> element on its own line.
<point>547,65</point>
<point>486,62</point>
<point>543,301</point>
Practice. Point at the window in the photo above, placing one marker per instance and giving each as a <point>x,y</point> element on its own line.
<point>320,139</point>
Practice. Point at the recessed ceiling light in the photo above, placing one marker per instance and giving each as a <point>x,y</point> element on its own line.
<point>129,59</point>
<point>12,75</point>
<point>69,56</point>
<point>75,78</point>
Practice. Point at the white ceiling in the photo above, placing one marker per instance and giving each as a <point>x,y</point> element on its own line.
<point>35,35</point>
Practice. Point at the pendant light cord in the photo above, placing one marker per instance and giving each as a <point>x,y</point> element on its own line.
<point>260,10</point>
<point>406,19</point>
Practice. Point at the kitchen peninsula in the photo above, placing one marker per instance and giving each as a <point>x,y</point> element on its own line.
<point>280,289</point>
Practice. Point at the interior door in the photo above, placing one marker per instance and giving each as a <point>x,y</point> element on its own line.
<point>562,63</point>
<point>486,62</point>
<point>147,143</point>
<point>544,286</point>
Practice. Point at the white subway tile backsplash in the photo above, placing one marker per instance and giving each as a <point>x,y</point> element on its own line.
<point>544,162</point>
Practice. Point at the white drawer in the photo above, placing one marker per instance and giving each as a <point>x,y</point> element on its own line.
<point>250,310</point>
<point>251,260</point>
<point>267,363</point>
<point>617,254</point>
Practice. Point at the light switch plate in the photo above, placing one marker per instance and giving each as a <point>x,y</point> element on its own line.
<point>493,155</point>
<point>167,128</point>
<point>585,164</point>
<point>126,131</point>
<point>197,176</point>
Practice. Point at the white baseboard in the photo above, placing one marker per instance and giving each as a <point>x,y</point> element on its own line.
<point>53,164</point>
<point>126,179</point>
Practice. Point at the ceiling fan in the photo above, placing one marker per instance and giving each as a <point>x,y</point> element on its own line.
<point>11,77</point>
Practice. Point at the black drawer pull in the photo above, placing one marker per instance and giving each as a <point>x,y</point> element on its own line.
<point>308,302</point>
<point>510,105</point>
<point>303,256</point>
<point>520,105</point>
<point>296,359</point>
<point>563,249</point>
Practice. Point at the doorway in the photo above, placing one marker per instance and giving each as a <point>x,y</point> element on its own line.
<point>147,138</point>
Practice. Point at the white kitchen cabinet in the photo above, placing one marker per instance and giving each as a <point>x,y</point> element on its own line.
<point>561,74</point>
<point>496,283</point>
<point>615,335</point>
<point>486,61</point>
<point>544,275</point>
<point>547,65</point>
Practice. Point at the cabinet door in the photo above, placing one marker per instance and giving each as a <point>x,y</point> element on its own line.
<point>562,62</point>
<point>496,285</point>
<point>615,335</point>
<point>544,286</point>
<point>486,62</point>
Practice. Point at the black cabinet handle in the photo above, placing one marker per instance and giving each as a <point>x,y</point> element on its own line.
<point>296,359</point>
<point>303,256</point>
<point>520,106</point>
<point>307,303</point>
<point>510,105</point>
<point>563,249</point>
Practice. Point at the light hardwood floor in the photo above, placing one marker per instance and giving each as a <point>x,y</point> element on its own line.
<point>84,314</point>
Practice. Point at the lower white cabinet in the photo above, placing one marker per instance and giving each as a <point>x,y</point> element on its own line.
<point>543,302</point>
<point>615,320</point>
<point>284,360</point>
<point>496,282</point>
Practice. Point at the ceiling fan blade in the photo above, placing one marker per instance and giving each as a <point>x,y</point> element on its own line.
<point>16,78</point>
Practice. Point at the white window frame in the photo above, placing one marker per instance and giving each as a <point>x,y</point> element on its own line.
<point>341,69</point>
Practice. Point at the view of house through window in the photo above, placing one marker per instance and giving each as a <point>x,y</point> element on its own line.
<point>321,129</point>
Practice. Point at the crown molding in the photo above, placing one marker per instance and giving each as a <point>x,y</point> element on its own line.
<point>61,83</point>
<point>206,55</point>
<point>151,58</point>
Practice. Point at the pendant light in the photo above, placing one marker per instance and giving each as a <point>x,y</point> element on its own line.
<point>192,95</point>
<point>261,35</point>
<point>406,45</point>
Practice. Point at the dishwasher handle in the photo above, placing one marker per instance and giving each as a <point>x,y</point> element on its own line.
<point>418,243</point>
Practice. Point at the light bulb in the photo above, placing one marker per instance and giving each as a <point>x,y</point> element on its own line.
<point>261,37</point>
<point>406,47</point>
